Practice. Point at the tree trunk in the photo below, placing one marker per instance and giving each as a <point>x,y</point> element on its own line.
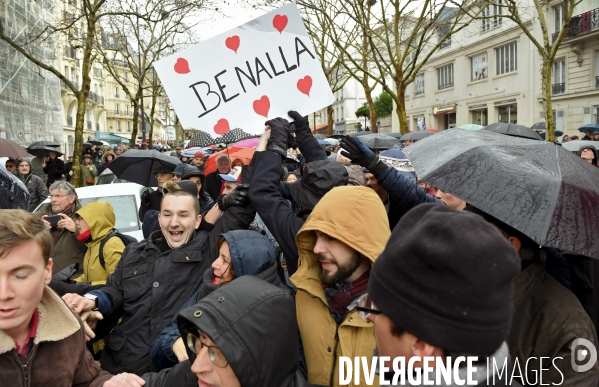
<point>330,123</point>
<point>547,105</point>
<point>368,92</point>
<point>400,108</point>
<point>135,119</point>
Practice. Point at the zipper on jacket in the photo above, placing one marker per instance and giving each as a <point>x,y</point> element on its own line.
<point>332,377</point>
<point>25,367</point>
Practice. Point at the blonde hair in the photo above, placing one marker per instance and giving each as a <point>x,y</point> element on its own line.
<point>18,227</point>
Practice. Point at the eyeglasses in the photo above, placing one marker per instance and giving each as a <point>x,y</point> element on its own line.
<point>195,345</point>
<point>57,196</point>
<point>366,307</point>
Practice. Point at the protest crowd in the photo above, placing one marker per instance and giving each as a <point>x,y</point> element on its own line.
<point>267,273</point>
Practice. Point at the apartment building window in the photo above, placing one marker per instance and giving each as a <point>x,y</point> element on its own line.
<point>586,115</point>
<point>342,116</point>
<point>442,32</point>
<point>508,114</point>
<point>491,16</point>
<point>558,85</point>
<point>596,69</point>
<point>479,67</point>
<point>117,109</point>
<point>419,84</point>
<point>479,117</point>
<point>128,126</point>
<point>558,119</point>
<point>118,126</point>
<point>558,18</point>
<point>126,76</point>
<point>116,92</point>
<point>445,77</point>
<point>127,110</point>
<point>596,115</point>
<point>506,59</point>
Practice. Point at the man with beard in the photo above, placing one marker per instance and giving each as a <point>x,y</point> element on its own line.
<point>344,234</point>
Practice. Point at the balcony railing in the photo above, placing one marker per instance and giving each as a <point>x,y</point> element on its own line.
<point>96,98</point>
<point>558,88</point>
<point>69,121</point>
<point>117,113</point>
<point>445,86</point>
<point>118,62</point>
<point>446,43</point>
<point>63,84</point>
<point>581,24</point>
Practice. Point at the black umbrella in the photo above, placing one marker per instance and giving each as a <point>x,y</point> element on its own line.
<point>337,136</point>
<point>139,166</point>
<point>362,133</point>
<point>43,151</point>
<point>557,134</point>
<point>87,145</point>
<point>395,135</point>
<point>95,142</point>
<point>415,136</point>
<point>539,125</point>
<point>513,130</point>
<point>541,189</point>
<point>377,141</point>
<point>13,193</point>
<point>50,144</point>
<point>201,139</point>
<point>235,135</point>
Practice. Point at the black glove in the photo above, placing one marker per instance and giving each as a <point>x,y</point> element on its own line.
<point>279,136</point>
<point>358,153</point>
<point>302,126</point>
<point>239,197</point>
<point>145,198</point>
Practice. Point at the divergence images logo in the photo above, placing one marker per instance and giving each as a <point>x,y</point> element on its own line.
<point>582,350</point>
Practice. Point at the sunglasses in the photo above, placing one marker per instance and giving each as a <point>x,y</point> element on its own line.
<point>366,307</point>
<point>195,345</point>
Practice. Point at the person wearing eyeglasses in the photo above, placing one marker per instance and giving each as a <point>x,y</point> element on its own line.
<point>443,286</point>
<point>337,245</point>
<point>242,334</point>
<point>66,249</point>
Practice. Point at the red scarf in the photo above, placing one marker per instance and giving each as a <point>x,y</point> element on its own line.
<point>339,297</point>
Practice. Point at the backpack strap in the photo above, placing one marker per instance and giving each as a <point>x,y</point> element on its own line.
<point>102,243</point>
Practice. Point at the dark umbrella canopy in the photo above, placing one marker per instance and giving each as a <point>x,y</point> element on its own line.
<point>538,125</point>
<point>362,133</point>
<point>201,139</point>
<point>13,193</point>
<point>139,166</point>
<point>513,130</point>
<point>95,142</point>
<point>337,136</point>
<point>395,135</point>
<point>43,151</point>
<point>415,136</point>
<point>538,188</point>
<point>235,135</point>
<point>50,144</point>
<point>10,148</point>
<point>378,141</point>
<point>591,127</point>
<point>557,134</point>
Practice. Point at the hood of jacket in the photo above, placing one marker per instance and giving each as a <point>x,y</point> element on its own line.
<point>254,324</point>
<point>251,252</point>
<point>100,218</point>
<point>353,215</point>
<point>105,155</point>
<point>19,174</point>
<point>592,150</point>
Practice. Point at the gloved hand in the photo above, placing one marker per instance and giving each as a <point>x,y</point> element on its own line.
<point>279,136</point>
<point>302,126</point>
<point>239,197</point>
<point>145,198</point>
<point>358,153</point>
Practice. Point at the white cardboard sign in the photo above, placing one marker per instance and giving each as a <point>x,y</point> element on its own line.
<point>243,77</point>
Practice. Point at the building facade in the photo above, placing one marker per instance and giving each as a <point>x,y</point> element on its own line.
<point>347,100</point>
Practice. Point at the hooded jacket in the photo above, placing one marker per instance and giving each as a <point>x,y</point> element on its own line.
<point>35,185</point>
<point>105,162</point>
<point>100,218</point>
<point>251,254</point>
<point>261,350</point>
<point>58,358</point>
<point>55,170</point>
<point>66,250</point>
<point>355,216</point>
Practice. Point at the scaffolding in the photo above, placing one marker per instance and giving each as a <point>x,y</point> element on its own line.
<point>30,97</point>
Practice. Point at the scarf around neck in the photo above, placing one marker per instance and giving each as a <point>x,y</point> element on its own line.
<point>340,297</point>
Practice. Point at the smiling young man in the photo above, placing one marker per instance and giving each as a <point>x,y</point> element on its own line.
<point>155,277</point>
<point>42,343</point>
<point>342,237</point>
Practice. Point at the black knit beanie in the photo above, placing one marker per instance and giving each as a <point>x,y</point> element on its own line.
<point>447,277</point>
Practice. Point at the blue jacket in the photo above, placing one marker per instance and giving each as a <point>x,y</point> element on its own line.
<point>251,254</point>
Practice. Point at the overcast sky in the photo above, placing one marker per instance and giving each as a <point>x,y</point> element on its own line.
<point>235,15</point>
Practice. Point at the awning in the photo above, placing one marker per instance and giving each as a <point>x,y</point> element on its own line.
<point>443,110</point>
<point>112,138</point>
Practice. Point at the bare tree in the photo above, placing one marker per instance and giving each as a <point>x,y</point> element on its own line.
<point>87,18</point>
<point>522,13</point>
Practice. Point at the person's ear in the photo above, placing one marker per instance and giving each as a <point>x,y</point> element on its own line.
<point>516,243</point>
<point>198,221</point>
<point>48,272</point>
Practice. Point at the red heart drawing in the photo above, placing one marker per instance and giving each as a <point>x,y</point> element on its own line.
<point>232,43</point>
<point>222,126</point>
<point>262,106</point>
<point>181,67</point>
<point>280,22</point>
<point>305,84</point>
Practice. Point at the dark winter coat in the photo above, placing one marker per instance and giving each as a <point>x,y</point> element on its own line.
<point>251,254</point>
<point>58,358</point>
<point>272,207</point>
<point>238,324</point>
<point>213,184</point>
<point>206,202</point>
<point>54,169</point>
<point>153,204</point>
<point>148,287</point>
<point>547,319</point>
<point>67,250</point>
<point>36,187</point>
